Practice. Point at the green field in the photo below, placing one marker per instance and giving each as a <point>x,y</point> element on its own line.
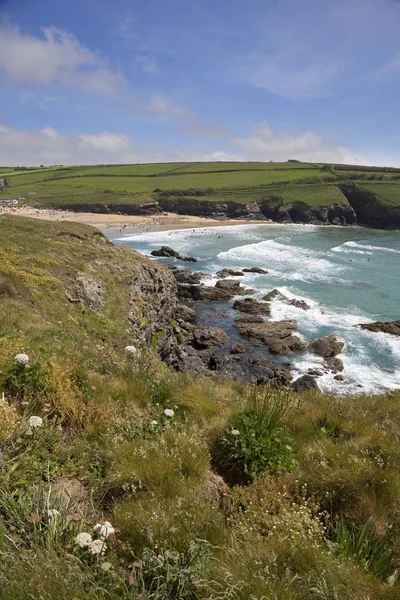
<point>315,185</point>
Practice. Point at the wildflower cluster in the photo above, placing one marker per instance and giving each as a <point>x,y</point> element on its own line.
<point>95,546</point>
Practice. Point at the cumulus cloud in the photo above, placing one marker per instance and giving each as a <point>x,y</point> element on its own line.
<point>57,56</point>
<point>266,144</point>
<point>49,146</point>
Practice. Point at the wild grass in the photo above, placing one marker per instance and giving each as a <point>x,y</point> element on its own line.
<point>328,527</point>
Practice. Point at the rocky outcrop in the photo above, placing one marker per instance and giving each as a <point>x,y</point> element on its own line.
<point>277,295</point>
<point>153,302</point>
<point>224,289</point>
<point>391,327</point>
<point>87,290</point>
<point>205,338</point>
<point>304,384</point>
<point>238,349</point>
<point>228,273</point>
<point>258,270</point>
<point>252,307</point>
<point>370,209</point>
<point>187,276</point>
<point>334,364</point>
<point>327,347</point>
<point>167,252</point>
<point>276,335</point>
<point>250,370</point>
<point>300,212</point>
<point>185,313</point>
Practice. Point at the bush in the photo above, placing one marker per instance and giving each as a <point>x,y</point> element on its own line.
<point>20,380</point>
<point>255,442</point>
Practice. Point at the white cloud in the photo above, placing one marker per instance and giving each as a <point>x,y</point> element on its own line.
<point>161,107</point>
<point>266,144</point>
<point>48,146</point>
<point>147,63</point>
<point>56,57</point>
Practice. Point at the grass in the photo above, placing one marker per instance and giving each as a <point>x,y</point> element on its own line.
<point>108,452</point>
<point>122,187</point>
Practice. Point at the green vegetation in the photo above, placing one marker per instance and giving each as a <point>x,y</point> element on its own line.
<point>111,479</point>
<point>315,185</point>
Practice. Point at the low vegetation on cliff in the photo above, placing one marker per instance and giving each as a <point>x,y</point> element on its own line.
<point>276,190</point>
<point>122,479</point>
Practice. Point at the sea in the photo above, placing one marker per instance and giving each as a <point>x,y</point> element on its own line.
<point>348,276</point>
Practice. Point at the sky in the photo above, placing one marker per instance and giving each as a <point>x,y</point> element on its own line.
<point>127,81</point>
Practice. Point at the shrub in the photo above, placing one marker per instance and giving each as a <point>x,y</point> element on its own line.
<point>255,442</point>
<point>23,380</point>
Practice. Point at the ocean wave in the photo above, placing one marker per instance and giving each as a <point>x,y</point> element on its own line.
<point>290,262</point>
<point>358,248</point>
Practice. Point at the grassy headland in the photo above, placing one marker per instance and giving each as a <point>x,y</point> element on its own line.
<point>213,490</point>
<point>210,186</point>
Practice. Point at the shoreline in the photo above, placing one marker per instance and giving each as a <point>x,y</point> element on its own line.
<point>128,223</point>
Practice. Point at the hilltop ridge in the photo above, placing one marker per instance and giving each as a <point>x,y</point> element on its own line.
<point>286,192</point>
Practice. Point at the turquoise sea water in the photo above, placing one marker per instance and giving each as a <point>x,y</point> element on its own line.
<point>347,275</point>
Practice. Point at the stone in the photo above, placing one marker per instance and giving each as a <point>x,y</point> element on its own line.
<point>305,383</point>
<point>238,349</point>
<point>276,335</point>
<point>233,287</point>
<point>327,347</point>
<point>339,377</point>
<point>167,252</point>
<point>206,337</point>
<point>252,306</point>
<point>276,294</point>
<point>391,327</point>
<point>187,276</point>
<point>249,370</point>
<point>229,273</point>
<point>185,313</point>
<point>334,364</point>
<point>186,360</point>
<point>250,319</point>
<point>255,270</point>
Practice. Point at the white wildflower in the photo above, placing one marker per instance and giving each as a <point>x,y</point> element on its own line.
<point>153,422</point>
<point>168,412</point>
<point>35,422</point>
<point>106,566</point>
<point>103,530</point>
<point>235,432</point>
<point>131,349</point>
<point>22,359</point>
<point>97,547</point>
<point>53,513</point>
<point>83,540</point>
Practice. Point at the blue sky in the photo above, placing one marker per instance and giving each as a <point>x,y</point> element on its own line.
<point>127,81</point>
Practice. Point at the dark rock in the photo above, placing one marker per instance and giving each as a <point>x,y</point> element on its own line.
<point>334,364</point>
<point>250,370</point>
<point>88,291</point>
<point>276,335</point>
<point>167,252</point>
<point>327,347</point>
<point>238,349</point>
<point>255,270</point>
<point>339,377</point>
<point>314,372</point>
<point>305,383</point>
<point>290,301</point>
<point>252,306</point>
<point>209,337</point>
<point>228,273</point>
<point>185,313</point>
<point>187,276</point>
<point>392,327</point>
<point>186,360</point>
<point>252,319</point>
<point>233,287</point>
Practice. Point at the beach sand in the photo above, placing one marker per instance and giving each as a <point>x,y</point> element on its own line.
<point>128,223</point>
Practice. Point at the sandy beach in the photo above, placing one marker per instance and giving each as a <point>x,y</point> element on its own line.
<point>128,223</point>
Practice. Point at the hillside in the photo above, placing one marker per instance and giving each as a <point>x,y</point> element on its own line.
<point>299,192</point>
<point>122,479</point>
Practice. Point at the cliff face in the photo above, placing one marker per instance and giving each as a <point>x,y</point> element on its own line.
<point>68,273</point>
<point>299,212</point>
<point>370,210</point>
